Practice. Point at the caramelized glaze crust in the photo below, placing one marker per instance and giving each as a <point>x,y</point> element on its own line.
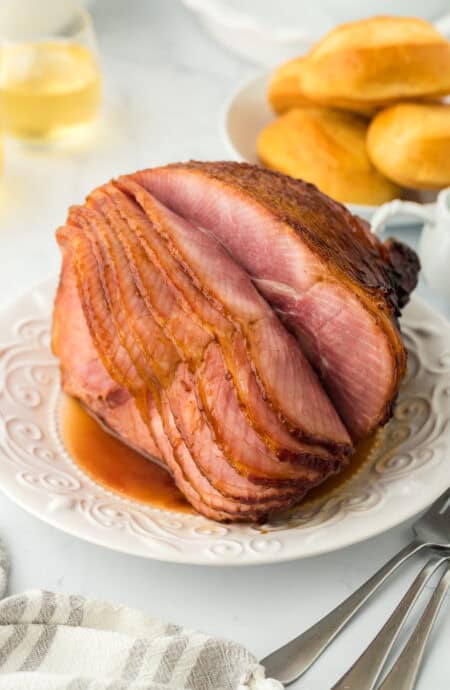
<point>341,239</point>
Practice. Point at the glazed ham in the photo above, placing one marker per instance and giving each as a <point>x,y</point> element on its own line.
<point>234,325</point>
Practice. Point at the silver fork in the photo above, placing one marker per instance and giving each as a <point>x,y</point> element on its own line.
<point>365,671</point>
<point>431,531</point>
<point>404,672</point>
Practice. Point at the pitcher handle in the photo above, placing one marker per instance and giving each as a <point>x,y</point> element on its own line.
<point>393,208</point>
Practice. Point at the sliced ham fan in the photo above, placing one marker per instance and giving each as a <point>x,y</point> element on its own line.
<point>330,281</point>
<point>235,325</point>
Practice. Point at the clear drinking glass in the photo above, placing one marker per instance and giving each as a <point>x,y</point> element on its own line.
<point>50,80</point>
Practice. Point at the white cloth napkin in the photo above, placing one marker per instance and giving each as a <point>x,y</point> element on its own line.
<point>52,641</point>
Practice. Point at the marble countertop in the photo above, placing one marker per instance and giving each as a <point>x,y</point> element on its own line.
<point>166,84</point>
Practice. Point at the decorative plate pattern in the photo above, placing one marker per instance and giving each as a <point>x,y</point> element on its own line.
<point>407,470</point>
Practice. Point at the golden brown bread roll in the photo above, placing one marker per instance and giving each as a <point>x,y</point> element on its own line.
<point>368,64</point>
<point>410,144</point>
<point>326,147</point>
<point>286,91</point>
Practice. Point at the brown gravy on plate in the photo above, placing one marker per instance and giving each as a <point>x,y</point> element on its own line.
<point>122,470</point>
<point>114,465</point>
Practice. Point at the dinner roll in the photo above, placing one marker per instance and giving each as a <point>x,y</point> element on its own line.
<point>376,62</point>
<point>286,91</point>
<point>410,144</point>
<point>326,147</point>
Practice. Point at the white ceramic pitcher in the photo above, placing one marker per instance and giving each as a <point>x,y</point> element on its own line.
<point>434,244</point>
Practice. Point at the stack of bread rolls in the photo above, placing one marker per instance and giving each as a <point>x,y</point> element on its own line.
<point>363,115</point>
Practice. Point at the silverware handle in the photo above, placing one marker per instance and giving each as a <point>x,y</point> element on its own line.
<point>292,660</point>
<point>367,668</point>
<point>404,673</point>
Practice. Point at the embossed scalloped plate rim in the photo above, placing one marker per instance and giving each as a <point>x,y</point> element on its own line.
<point>409,470</point>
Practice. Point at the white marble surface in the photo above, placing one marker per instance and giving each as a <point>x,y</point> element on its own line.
<point>166,84</point>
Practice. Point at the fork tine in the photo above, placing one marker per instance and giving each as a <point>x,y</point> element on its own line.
<point>404,672</point>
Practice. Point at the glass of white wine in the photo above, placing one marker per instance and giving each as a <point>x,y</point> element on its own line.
<point>50,80</point>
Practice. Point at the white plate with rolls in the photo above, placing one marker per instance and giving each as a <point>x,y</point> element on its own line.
<point>248,112</point>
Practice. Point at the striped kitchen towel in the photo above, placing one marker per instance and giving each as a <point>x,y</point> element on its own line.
<point>53,641</point>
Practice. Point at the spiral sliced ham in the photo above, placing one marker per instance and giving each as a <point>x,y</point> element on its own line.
<point>235,325</point>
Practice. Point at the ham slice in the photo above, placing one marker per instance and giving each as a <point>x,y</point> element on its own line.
<point>285,375</point>
<point>202,318</point>
<point>86,378</point>
<point>332,283</point>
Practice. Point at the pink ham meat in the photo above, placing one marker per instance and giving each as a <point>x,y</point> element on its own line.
<point>195,310</point>
<point>336,287</point>
<point>281,368</point>
<point>84,377</point>
<point>183,325</point>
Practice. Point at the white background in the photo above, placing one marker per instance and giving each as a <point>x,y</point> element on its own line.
<point>166,85</point>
